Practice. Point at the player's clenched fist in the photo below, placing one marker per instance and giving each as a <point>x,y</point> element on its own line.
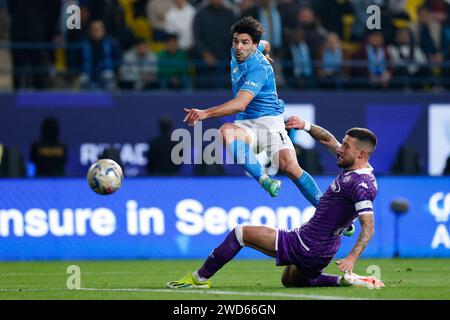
<point>295,123</point>
<point>193,115</point>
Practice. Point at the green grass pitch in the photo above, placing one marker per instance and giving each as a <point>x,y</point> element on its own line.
<point>240,279</point>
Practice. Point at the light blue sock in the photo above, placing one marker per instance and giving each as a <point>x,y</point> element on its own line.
<point>244,156</point>
<point>309,188</point>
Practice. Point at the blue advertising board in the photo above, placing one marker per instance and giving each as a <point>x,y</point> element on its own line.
<point>91,122</point>
<point>171,218</point>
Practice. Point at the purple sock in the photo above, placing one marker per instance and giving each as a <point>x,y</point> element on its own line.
<point>220,256</point>
<point>324,280</point>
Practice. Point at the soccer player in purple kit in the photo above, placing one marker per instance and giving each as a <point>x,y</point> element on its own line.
<point>307,250</point>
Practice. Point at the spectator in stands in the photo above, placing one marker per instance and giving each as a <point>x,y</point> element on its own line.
<point>373,53</point>
<point>332,13</point>
<point>32,21</point>
<point>179,20</point>
<point>212,45</point>
<point>409,61</point>
<point>314,32</point>
<point>245,5</point>
<point>288,11</point>
<point>76,37</point>
<point>116,26</point>
<point>5,53</point>
<point>331,63</point>
<point>173,65</point>
<point>439,10</point>
<point>429,35</point>
<point>100,57</point>
<point>446,68</point>
<point>139,68</point>
<point>156,15</point>
<point>49,153</point>
<point>4,20</point>
<point>298,69</point>
<point>159,154</point>
<point>359,26</point>
<point>139,8</point>
<point>266,12</point>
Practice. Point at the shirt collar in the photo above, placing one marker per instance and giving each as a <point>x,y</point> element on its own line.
<point>367,170</point>
<point>249,62</point>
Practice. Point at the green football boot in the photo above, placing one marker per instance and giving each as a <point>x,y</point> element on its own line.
<point>349,231</point>
<point>272,186</point>
<point>189,282</point>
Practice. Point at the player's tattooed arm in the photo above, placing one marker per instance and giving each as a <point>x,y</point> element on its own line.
<point>366,233</point>
<point>325,137</point>
<point>317,132</point>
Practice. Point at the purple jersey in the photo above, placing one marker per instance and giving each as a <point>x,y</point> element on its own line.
<point>349,195</point>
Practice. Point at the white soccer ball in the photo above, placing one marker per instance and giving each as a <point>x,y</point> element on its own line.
<point>105,176</point>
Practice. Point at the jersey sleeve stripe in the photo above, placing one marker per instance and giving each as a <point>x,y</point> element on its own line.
<point>365,212</point>
<point>366,204</point>
<point>243,89</point>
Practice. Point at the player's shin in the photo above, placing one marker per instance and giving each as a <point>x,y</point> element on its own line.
<point>324,280</point>
<point>226,251</point>
<point>309,188</point>
<point>244,155</point>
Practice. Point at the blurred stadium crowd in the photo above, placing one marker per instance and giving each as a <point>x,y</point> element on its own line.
<point>181,44</point>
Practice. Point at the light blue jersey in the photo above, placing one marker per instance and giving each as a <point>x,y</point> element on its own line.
<point>255,75</point>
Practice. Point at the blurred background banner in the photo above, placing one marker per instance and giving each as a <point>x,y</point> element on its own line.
<point>413,128</point>
<point>174,218</point>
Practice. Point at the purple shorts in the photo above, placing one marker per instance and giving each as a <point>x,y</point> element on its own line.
<point>292,250</point>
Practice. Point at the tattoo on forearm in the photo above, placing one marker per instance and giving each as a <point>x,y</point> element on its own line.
<point>320,133</point>
<point>324,136</point>
<point>363,240</point>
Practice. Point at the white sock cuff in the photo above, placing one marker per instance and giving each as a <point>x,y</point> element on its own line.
<point>263,177</point>
<point>307,126</point>
<point>197,277</point>
<point>239,235</point>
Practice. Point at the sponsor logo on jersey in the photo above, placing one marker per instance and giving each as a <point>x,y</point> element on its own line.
<point>335,186</point>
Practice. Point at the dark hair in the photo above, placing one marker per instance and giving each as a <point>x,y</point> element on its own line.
<point>250,26</point>
<point>50,129</point>
<point>363,135</point>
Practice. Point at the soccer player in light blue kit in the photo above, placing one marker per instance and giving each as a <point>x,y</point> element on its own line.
<point>259,123</point>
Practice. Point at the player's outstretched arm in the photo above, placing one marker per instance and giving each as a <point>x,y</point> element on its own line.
<point>317,132</point>
<point>235,105</point>
<point>366,233</point>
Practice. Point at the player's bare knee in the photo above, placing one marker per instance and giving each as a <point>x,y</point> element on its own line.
<point>227,131</point>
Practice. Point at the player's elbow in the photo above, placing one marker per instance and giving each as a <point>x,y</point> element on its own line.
<point>241,107</point>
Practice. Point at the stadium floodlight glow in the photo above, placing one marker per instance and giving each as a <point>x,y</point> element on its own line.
<point>399,206</point>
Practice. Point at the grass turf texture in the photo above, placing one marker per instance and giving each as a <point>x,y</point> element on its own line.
<point>240,279</point>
